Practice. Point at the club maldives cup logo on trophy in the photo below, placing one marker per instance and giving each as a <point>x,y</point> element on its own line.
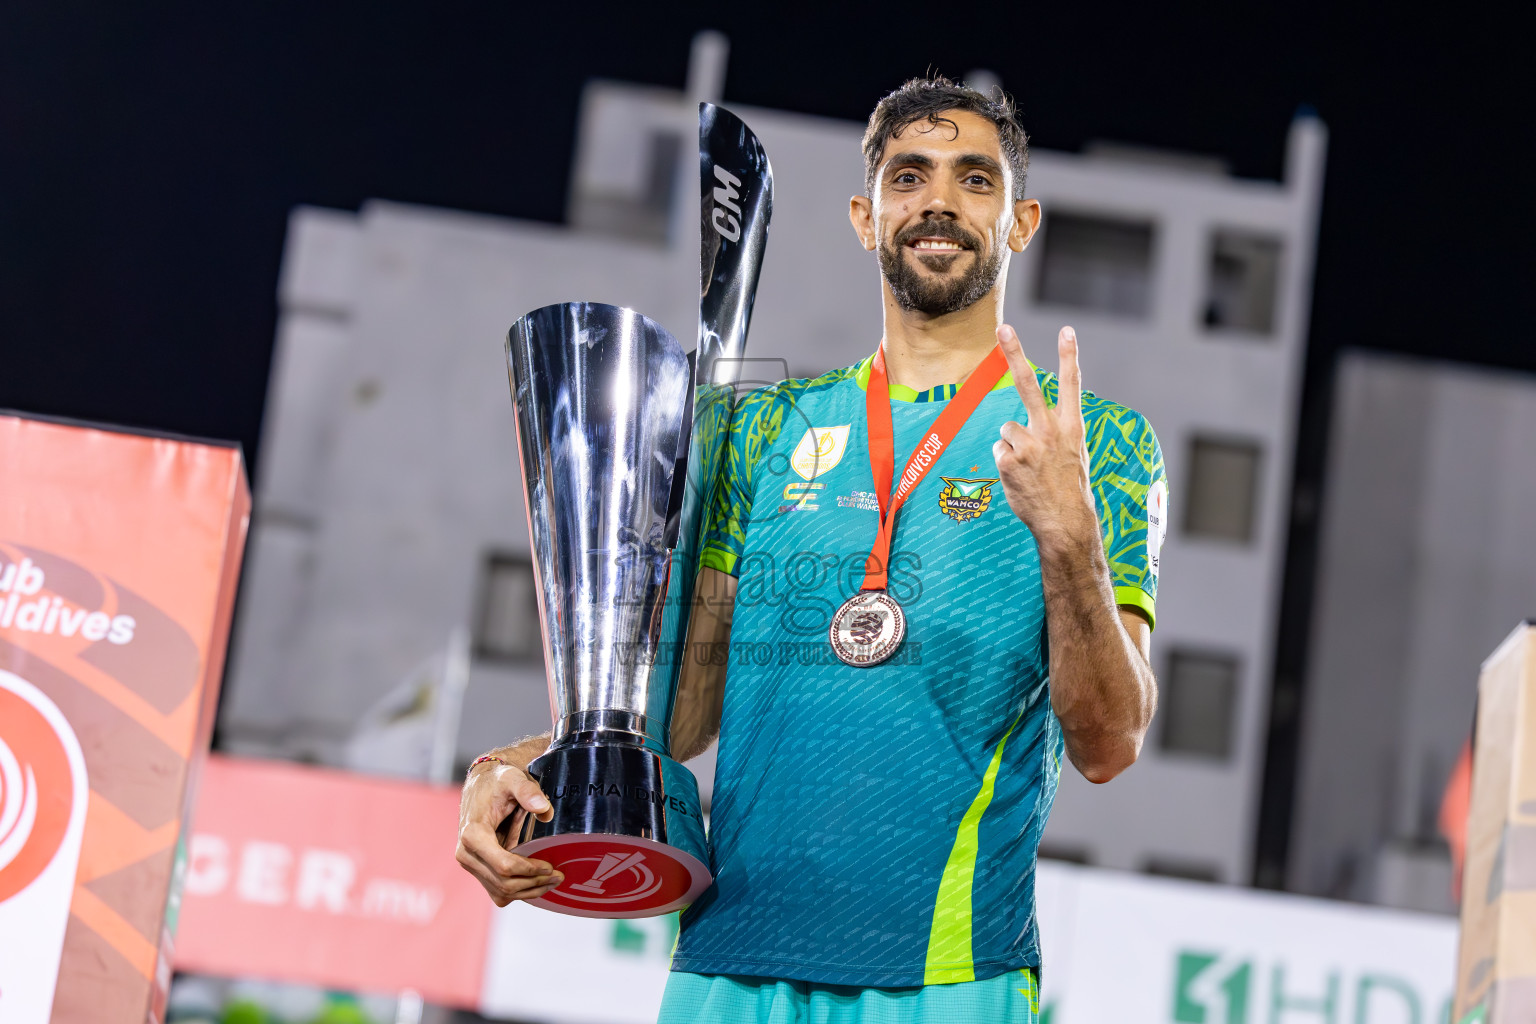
<point>620,434</point>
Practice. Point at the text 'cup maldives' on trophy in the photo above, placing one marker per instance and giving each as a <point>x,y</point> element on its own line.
<point>603,399</point>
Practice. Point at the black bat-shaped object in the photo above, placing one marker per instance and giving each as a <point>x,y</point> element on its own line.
<point>736,202</point>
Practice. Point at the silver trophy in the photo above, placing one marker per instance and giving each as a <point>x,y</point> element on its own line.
<point>620,435</point>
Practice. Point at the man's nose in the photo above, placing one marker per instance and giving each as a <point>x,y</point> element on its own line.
<point>936,203</point>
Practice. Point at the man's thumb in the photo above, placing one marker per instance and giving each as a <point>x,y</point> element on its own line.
<point>531,796</point>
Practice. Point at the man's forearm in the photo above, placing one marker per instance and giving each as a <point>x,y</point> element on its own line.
<point>1102,688</point>
<point>696,715</point>
<point>701,682</point>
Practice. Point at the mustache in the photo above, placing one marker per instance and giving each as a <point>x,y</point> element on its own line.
<point>945,229</point>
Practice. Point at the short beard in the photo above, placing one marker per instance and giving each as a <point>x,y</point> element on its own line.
<point>917,294</point>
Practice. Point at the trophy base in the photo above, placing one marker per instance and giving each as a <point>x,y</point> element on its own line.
<point>627,832</point>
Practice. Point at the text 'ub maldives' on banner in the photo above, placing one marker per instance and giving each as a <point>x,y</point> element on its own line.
<point>119,556</point>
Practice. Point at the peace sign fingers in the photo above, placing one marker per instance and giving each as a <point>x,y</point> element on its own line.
<point>1069,392</point>
<point>1044,466</point>
<point>1023,373</point>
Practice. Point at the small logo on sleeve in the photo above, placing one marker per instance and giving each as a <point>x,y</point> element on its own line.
<point>1157,523</point>
<point>964,500</point>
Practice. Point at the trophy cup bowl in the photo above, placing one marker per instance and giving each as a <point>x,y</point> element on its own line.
<point>603,400</point>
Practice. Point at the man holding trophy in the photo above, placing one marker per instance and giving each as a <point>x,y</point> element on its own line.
<point>908,655</point>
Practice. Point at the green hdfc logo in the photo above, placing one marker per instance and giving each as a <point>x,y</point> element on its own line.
<point>1210,988</point>
<point>1207,991</point>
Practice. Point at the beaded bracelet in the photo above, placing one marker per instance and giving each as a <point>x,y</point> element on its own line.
<point>488,757</point>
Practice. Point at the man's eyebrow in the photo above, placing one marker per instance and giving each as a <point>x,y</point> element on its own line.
<point>981,161</point>
<point>910,160</point>
<point>977,160</point>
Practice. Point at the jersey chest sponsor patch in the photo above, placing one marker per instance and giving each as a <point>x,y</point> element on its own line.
<point>964,500</point>
<point>820,450</point>
<point>800,496</point>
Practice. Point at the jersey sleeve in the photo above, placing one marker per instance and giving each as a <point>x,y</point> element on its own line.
<point>1131,491</point>
<point>754,426</point>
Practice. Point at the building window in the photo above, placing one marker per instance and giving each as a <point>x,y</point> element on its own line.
<point>663,151</point>
<point>1199,703</point>
<point>1222,501</point>
<point>1098,263</point>
<point>508,624</point>
<point>639,205</point>
<point>1242,282</point>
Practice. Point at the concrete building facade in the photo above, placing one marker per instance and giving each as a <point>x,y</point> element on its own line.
<point>389,492</point>
<point>1426,565</point>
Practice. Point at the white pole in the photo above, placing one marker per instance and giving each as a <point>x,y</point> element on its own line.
<point>445,736</point>
<point>409,1007</point>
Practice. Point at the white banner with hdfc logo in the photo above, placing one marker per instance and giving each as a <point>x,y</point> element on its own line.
<point>1119,949</point>
<point>1128,949</point>
<point>43,794</point>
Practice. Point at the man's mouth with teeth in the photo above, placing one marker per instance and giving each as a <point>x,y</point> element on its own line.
<point>936,245</point>
<point>936,281</point>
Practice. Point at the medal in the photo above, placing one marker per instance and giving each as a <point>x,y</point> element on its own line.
<point>868,628</point>
<point>870,625</point>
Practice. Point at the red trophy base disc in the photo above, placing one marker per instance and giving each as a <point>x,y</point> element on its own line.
<point>616,876</point>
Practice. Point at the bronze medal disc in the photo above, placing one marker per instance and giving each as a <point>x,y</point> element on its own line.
<point>867,629</point>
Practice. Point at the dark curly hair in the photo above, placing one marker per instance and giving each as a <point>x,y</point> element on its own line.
<point>928,99</point>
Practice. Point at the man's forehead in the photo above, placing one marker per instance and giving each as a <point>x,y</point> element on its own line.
<point>957,130</point>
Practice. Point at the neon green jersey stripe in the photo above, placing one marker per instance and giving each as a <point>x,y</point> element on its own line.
<point>949,941</point>
<point>1135,597</point>
<point>902,393</point>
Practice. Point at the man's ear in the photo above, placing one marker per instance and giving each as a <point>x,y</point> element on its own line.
<point>861,214</point>
<point>1026,219</point>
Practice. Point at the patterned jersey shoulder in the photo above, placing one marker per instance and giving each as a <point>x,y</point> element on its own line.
<point>1125,465</point>
<point>758,419</point>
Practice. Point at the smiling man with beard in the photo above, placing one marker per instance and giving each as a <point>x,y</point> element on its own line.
<point>882,786</point>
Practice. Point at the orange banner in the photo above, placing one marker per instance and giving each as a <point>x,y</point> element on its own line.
<point>331,878</point>
<point>119,558</point>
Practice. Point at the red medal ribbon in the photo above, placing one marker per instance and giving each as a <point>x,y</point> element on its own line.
<point>882,447</point>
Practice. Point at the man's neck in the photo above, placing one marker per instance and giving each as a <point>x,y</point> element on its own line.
<point>923,352</point>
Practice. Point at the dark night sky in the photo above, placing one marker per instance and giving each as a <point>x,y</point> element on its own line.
<point>148,158</point>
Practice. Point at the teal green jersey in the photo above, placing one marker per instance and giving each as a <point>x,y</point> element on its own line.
<point>878,826</point>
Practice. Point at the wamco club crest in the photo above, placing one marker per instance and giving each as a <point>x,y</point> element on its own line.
<point>963,500</point>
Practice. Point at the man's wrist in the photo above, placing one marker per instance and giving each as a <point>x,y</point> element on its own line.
<point>516,755</point>
<point>489,759</point>
<point>1073,544</point>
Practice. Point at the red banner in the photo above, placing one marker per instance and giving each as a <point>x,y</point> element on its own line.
<point>119,555</point>
<point>335,879</point>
